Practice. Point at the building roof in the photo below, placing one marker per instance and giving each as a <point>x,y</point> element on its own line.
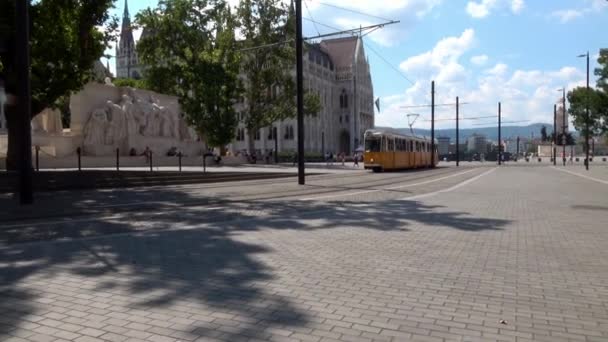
<point>341,50</point>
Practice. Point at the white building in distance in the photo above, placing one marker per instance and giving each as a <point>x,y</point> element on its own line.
<point>477,143</point>
<point>443,145</point>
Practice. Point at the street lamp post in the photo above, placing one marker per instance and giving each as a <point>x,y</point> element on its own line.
<point>587,115</point>
<point>554,135</point>
<point>564,139</point>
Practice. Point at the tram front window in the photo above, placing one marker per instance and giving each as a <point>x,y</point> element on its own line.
<point>372,145</point>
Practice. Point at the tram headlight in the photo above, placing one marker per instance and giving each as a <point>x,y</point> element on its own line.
<point>372,160</point>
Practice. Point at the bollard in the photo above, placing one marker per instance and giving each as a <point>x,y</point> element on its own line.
<point>540,160</point>
<point>117,159</point>
<point>204,162</point>
<point>179,158</point>
<point>576,159</point>
<point>78,152</point>
<point>37,158</point>
<point>150,159</point>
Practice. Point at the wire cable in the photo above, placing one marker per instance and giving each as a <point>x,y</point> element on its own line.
<point>352,11</point>
<point>389,63</point>
<point>312,19</point>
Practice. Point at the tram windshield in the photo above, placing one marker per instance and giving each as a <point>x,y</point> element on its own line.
<point>373,144</point>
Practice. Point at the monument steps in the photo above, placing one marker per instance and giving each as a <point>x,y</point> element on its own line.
<point>70,180</point>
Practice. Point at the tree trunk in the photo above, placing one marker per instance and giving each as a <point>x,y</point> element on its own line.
<point>250,141</point>
<point>13,148</point>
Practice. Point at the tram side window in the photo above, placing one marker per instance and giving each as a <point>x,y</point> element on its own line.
<point>391,145</point>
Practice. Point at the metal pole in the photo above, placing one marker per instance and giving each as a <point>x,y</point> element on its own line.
<point>518,146</point>
<point>117,159</point>
<point>300,92</point>
<point>555,136</point>
<point>204,162</point>
<point>276,145</point>
<point>564,140</point>
<point>22,55</point>
<point>587,118</point>
<point>179,159</point>
<point>457,132</point>
<point>323,144</point>
<point>78,153</point>
<point>499,137</point>
<point>37,158</point>
<point>150,159</point>
<point>433,124</point>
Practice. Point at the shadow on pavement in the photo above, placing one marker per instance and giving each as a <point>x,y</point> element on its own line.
<point>171,255</point>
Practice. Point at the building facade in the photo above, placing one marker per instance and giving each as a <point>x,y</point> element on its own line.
<point>443,146</point>
<point>477,143</point>
<point>127,61</point>
<point>336,70</point>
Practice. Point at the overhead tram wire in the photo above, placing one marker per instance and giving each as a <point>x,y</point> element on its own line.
<point>503,122</point>
<point>460,119</point>
<point>351,10</point>
<point>351,31</point>
<point>314,23</point>
<point>436,105</point>
<point>388,63</point>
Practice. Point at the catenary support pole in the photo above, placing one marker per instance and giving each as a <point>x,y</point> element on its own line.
<point>554,135</point>
<point>300,92</point>
<point>499,135</point>
<point>457,132</point>
<point>564,137</point>
<point>433,124</point>
<point>587,133</point>
<point>24,105</point>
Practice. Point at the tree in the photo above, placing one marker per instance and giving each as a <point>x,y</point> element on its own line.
<point>268,61</point>
<point>602,71</point>
<point>191,53</point>
<point>64,43</point>
<point>598,110</point>
<point>543,133</point>
<point>596,99</point>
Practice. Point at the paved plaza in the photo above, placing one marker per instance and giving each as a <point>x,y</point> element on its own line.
<point>476,253</point>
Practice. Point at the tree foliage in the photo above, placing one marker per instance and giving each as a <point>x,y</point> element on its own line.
<point>543,133</point>
<point>597,101</point>
<point>65,41</point>
<point>268,60</point>
<point>191,54</point>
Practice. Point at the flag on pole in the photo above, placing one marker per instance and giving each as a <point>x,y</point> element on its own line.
<point>378,103</point>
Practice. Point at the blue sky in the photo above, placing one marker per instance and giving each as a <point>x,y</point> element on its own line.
<point>518,52</point>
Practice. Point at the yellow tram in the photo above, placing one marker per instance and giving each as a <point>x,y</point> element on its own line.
<point>386,150</point>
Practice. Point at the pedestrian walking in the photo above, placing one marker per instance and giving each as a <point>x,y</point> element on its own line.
<point>356,160</point>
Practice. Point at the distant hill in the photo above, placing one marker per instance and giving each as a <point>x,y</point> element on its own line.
<point>490,132</point>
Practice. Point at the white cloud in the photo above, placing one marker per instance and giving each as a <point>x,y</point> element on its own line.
<point>570,14</point>
<point>479,60</point>
<point>524,94</point>
<point>356,13</point>
<point>565,16</point>
<point>517,6</point>
<point>483,8</point>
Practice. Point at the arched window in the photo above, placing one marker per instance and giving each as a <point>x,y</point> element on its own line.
<point>343,99</point>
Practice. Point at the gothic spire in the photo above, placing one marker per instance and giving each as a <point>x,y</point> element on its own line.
<point>126,18</point>
<point>126,12</point>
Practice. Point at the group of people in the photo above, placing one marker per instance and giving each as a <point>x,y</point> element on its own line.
<point>329,158</point>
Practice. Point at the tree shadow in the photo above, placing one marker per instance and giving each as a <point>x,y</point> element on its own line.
<point>165,255</point>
